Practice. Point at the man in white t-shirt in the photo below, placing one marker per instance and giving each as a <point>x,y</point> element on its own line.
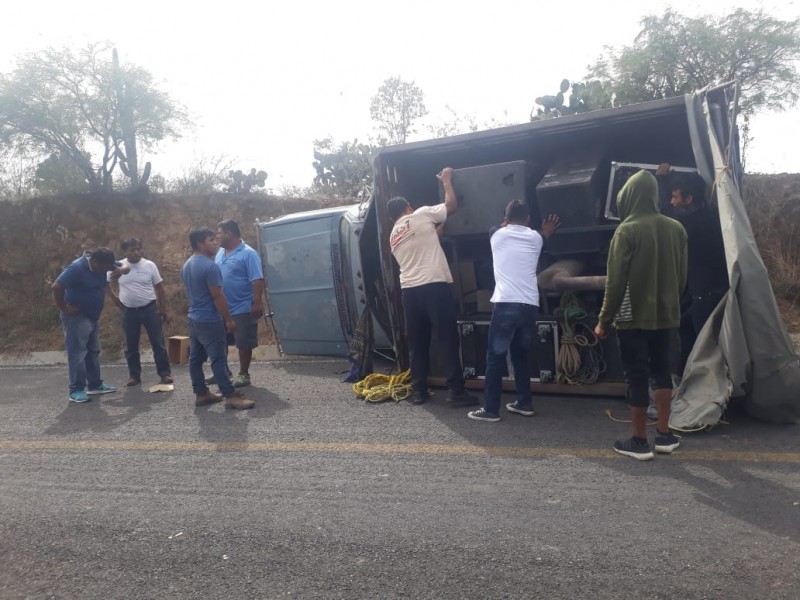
<point>144,304</point>
<point>425,282</point>
<point>515,255</point>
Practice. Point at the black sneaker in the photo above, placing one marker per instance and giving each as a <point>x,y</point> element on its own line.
<point>482,415</point>
<point>526,411</point>
<point>666,442</point>
<point>461,398</point>
<point>640,450</point>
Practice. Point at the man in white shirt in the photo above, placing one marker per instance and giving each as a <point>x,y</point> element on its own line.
<point>425,282</point>
<point>515,255</point>
<point>143,303</point>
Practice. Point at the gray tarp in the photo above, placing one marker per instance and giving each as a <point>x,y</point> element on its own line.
<point>744,349</point>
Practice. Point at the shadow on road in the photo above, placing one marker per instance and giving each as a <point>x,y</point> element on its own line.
<point>581,422</point>
<point>228,428</point>
<point>102,413</point>
<point>768,510</point>
<point>727,488</point>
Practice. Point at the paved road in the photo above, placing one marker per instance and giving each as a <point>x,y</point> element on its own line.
<point>314,494</point>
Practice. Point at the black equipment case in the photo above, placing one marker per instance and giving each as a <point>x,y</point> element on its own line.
<point>541,358</point>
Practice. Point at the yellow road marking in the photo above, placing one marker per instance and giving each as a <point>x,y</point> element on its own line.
<point>430,449</point>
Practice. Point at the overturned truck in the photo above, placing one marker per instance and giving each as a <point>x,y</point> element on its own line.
<point>572,167</point>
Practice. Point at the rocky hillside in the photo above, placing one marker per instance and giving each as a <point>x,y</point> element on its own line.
<point>39,237</point>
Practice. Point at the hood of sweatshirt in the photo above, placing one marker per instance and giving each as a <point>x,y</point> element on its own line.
<point>638,197</point>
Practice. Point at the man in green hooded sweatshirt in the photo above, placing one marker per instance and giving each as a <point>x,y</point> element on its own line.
<point>646,274</point>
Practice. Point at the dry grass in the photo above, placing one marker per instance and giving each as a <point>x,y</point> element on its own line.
<point>30,322</point>
<point>773,206</point>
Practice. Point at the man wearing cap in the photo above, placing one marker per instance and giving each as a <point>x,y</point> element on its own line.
<point>79,293</point>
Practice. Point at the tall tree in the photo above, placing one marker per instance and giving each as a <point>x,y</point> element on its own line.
<point>74,103</point>
<point>674,55</point>
<point>395,107</point>
<point>344,170</point>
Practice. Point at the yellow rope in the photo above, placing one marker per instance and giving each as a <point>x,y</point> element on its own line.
<point>379,387</point>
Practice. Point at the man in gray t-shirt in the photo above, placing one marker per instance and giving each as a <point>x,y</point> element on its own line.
<point>425,282</point>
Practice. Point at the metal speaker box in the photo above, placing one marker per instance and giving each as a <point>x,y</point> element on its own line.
<point>574,189</point>
<point>483,193</point>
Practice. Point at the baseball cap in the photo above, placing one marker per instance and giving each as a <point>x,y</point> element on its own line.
<point>105,258</point>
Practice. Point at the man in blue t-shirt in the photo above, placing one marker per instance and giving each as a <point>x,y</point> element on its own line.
<point>79,293</point>
<point>209,320</point>
<point>243,286</point>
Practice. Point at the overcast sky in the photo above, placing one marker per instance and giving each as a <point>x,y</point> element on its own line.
<point>263,80</point>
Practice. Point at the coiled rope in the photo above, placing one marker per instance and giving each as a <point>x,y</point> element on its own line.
<point>580,356</point>
<point>378,387</point>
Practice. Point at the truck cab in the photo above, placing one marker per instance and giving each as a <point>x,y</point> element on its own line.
<point>313,269</point>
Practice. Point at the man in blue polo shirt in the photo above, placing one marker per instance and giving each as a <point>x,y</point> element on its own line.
<point>79,293</point>
<point>243,286</point>
<point>209,320</point>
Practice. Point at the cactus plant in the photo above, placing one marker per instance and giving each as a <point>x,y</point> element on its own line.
<point>242,184</point>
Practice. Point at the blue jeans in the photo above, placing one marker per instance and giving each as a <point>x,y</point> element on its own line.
<point>82,340</point>
<point>511,329</point>
<point>132,321</point>
<point>208,341</point>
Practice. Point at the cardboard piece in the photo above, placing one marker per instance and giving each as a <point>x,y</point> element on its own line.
<point>161,387</point>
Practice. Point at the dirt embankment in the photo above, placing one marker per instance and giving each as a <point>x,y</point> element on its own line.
<point>773,205</point>
<point>39,237</point>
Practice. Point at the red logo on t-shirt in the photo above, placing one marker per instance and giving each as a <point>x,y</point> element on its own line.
<point>401,233</point>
